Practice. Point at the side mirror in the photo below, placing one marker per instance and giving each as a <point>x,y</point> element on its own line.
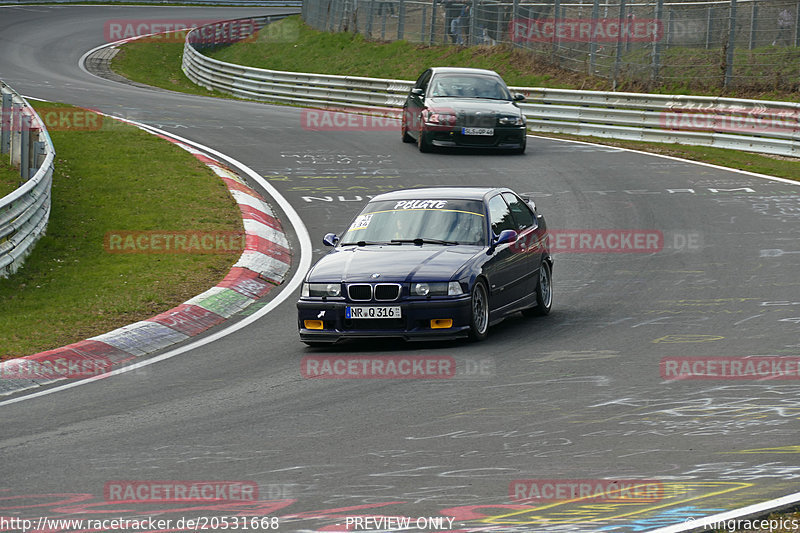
<point>417,91</point>
<point>330,239</point>
<point>507,235</point>
<point>518,97</point>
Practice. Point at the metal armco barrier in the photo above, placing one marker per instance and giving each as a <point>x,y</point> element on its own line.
<point>23,213</point>
<point>750,125</point>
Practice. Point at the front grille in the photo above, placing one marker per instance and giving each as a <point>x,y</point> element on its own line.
<point>474,120</point>
<point>360,293</point>
<point>386,292</point>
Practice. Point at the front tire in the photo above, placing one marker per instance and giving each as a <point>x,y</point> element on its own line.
<point>479,321</point>
<point>544,292</point>
<point>422,143</point>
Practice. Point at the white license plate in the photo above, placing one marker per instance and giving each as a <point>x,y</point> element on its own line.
<point>477,131</point>
<point>372,312</point>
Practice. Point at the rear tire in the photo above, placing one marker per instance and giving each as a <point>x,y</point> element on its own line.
<point>544,292</point>
<point>479,304</point>
<point>404,130</point>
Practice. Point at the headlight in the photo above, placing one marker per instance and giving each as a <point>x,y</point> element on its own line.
<point>436,289</point>
<point>320,290</point>
<point>512,121</point>
<point>447,119</point>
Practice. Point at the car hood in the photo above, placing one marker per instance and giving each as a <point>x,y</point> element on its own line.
<point>395,263</point>
<point>472,105</point>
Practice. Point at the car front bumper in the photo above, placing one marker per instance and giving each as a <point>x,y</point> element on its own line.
<point>415,323</point>
<point>506,137</point>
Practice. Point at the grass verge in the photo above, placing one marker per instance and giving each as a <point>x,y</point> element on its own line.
<point>9,177</point>
<point>152,61</point>
<point>114,178</point>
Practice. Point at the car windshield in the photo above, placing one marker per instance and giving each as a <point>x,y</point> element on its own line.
<point>435,221</point>
<point>466,86</point>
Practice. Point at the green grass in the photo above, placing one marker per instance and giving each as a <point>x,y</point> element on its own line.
<point>9,177</point>
<point>291,45</point>
<point>112,179</point>
<point>153,62</point>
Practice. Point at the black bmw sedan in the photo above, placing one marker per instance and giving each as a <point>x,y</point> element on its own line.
<point>463,107</point>
<point>436,263</point>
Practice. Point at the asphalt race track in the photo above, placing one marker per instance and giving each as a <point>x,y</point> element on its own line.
<point>577,395</point>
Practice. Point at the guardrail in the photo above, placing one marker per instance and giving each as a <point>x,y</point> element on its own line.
<point>23,213</point>
<point>739,124</point>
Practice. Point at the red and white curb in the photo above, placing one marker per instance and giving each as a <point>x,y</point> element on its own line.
<point>262,266</point>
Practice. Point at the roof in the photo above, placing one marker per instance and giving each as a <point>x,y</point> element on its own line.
<point>452,193</point>
<point>464,70</point>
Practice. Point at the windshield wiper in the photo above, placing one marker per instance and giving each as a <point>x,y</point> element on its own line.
<point>366,243</point>
<point>419,241</point>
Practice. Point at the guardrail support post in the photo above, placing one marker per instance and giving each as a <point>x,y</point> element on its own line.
<point>556,39</point>
<point>433,22</point>
<point>797,25</point>
<point>370,12</point>
<point>753,24</point>
<point>731,45</point>
<point>498,23</point>
<point>668,29</point>
<point>5,124</point>
<point>33,153</point>
<point>422,24</point>
<point>593,43</point>
<point>401,20</point>
<point>514,17</point>
<point>16,132</point>
<point>39,155</point>
<point>25,149</point>
<point>618,56</point>
<point>473,23</point>
<point>657,40</point>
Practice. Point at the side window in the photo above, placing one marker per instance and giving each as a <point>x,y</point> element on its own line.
<point>499,215</point>
<point>520,210</point>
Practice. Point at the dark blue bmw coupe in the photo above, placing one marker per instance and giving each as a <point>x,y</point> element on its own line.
<point>436,263</point>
